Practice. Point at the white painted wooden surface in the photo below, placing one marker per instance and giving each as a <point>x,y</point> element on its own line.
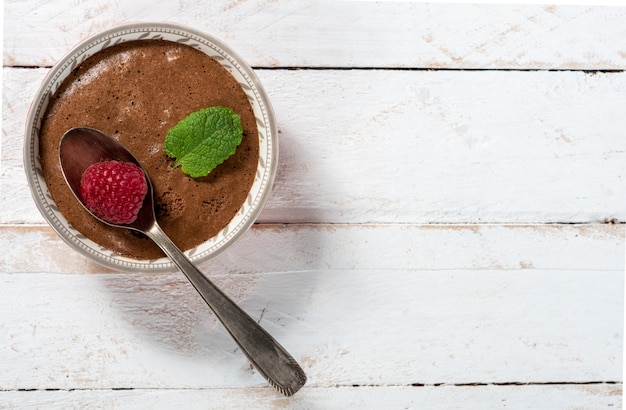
<point>446,230</point>
<point>309,33</point>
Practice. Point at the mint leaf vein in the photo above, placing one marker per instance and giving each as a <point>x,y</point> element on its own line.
<point>204,139</point>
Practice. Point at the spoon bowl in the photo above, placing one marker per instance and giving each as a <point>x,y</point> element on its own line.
<point>81,147</point>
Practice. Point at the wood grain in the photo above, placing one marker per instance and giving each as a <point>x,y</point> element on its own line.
<point>301,248</point>
<point>344,34</point>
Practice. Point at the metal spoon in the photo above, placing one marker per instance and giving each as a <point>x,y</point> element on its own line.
<point>81,147</point>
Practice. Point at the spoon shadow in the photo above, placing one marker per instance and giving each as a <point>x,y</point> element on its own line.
<point>81,147</point>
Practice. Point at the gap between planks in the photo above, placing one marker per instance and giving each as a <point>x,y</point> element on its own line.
<point>377,68</point>
<point>443,384</point>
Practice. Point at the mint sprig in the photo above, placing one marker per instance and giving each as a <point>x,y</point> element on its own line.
<point>203,140</point>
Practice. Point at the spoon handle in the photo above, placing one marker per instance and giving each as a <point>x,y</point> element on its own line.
<point>264,352</point>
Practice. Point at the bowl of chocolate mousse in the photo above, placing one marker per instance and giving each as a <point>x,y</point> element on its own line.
<point>135,82</point>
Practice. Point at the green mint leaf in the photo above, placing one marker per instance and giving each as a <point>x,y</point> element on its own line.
<point>203,140</point>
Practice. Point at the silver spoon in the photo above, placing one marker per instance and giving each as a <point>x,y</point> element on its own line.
<point>81,147</point>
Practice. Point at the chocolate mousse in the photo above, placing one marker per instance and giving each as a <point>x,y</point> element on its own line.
<point>136,91</point>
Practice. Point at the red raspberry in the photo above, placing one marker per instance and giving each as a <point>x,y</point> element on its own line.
<point>114,190</point>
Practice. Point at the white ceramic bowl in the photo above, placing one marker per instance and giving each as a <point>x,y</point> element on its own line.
<point>268,142</point>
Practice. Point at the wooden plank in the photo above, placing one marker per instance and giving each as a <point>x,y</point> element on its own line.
<point>344,34</point>
<point>423,146</point>
<point>379,397</point>
<point>357,327</point>
<point>448,146</point>
<point>292,248</point>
